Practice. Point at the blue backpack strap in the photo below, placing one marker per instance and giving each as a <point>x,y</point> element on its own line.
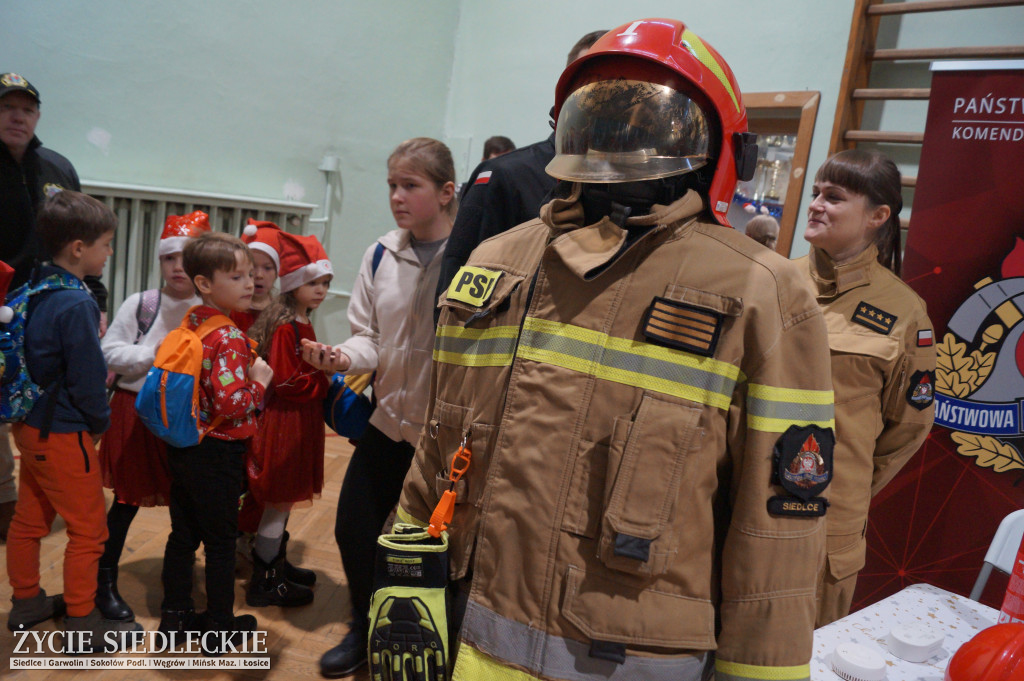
<point>378,253</point>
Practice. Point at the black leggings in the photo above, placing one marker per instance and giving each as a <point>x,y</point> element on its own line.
<point>119,519</point>
<point>372,486</point>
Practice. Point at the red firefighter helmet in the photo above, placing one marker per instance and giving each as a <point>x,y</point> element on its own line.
<point>651,99</point>
<point>994,654</point>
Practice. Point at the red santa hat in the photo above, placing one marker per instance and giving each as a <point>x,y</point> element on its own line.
<point>262,236</point>
<point>6,277</point>
<point>178,229</point>
<point>303,259</point>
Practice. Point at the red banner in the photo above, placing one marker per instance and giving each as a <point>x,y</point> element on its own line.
<point>965,257</point>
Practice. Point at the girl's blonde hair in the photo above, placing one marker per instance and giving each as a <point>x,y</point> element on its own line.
<point>430,158</point>
<point>282,310</point>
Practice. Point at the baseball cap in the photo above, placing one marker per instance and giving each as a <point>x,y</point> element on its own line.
<point>12,82</point>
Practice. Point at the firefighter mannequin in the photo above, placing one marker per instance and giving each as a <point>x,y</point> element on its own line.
<point>645,395</point>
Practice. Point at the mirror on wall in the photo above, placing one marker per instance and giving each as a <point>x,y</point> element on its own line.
<point>784,123</point>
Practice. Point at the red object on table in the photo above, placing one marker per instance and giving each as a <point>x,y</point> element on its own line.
<point>994,654</point>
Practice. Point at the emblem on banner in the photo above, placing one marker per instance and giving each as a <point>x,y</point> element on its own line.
<point>979,373</point>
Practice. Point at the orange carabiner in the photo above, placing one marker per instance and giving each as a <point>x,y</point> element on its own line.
<point>445,508</point>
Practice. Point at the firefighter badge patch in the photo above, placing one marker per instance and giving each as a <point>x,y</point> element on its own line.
<point>921,392</point>
<point>803,467</point>
<point>682,326</point>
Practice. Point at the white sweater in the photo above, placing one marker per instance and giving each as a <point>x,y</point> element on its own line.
<point>132,360</point>
<point>392,318</point>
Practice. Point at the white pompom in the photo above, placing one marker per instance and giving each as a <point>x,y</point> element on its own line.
<point>250,230</point>
<point>6,315</point>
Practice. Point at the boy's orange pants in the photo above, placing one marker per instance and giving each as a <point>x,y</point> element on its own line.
<point>59,475</point>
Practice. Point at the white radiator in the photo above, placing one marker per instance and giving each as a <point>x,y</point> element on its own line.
<point>141,212</point>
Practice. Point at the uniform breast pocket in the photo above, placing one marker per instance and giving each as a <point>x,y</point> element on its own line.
<point>648,459</point>
<point>453,427</point>
<point>861,364</point>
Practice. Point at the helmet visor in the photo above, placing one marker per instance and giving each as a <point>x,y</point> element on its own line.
<point>627,130</point>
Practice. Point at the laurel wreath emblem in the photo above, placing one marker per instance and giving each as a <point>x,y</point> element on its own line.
<point>959,374</point>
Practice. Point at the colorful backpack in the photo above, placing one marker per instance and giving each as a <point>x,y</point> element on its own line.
<point>168,403</point>
<point>18,392</point>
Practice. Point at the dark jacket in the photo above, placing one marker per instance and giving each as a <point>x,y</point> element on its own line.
<point>511,195</point>
<point>23,188</point>
<point>63,334</point>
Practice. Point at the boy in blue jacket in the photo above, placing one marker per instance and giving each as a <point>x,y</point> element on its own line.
<point>60,473</point>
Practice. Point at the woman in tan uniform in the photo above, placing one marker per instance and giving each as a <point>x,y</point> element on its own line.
<point>883,359</point>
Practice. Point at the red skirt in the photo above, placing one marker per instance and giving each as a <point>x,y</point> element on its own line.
<point>286,463</point>
<point>133,460</point>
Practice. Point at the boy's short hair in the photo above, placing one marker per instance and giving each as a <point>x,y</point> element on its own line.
<point>212,252</point>
<point>69,216</point>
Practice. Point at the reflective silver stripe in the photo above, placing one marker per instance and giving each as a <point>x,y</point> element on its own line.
<point>475,347</point>
<point>790,411</point>
<point>562,658</point>
<point>634,363</point>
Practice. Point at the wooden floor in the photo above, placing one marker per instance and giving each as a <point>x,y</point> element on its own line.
<point>296,637</point>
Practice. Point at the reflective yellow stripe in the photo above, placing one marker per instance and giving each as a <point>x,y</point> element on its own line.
<point>473,665</point>
<point>703,54</point>
<point>490,347</point>
<point>642,365</point>
<point>405,517</point>
<point>734,671</point>
<point>773,410</point>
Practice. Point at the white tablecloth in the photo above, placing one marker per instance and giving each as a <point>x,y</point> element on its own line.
<point>957,617</point>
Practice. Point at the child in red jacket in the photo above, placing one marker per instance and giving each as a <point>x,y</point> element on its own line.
<point>287,466</point>
<point>206,479</point>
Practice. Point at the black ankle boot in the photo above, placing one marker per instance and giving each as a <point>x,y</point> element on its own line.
<point>297,575</point>
<point>108,600</point>
<point>222,636</point>
<point>269,586</point>
<point>177,625</point>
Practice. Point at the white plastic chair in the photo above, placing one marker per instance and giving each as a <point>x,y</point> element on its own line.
<point>1002,551</point>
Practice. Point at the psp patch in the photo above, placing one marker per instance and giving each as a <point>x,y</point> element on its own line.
<point>803,467</point>
<point>473,285</point>
<point>874,318</point>
<point>682,326</point>
<point>921,391</point>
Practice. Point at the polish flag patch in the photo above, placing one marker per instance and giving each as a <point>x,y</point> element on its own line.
<point>483,178</point>
<point>924,338</point>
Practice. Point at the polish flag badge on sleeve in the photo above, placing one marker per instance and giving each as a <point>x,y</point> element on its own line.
<point>924,338</point>
<point>483,178</point>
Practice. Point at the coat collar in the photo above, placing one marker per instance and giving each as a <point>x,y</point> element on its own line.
<point>834,280</point>
<point>587,248</point>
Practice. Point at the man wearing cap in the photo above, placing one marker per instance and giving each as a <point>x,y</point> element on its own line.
<point>28,175</point>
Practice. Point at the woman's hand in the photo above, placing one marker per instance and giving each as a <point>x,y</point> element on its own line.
<point>324,357</point>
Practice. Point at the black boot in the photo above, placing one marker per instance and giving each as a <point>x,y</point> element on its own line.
<point>176,625</point>
<point>296,575</point>
<point>108,600</point>
<point>269,586</point>
<point>220,637</point>
<point>347,656</point>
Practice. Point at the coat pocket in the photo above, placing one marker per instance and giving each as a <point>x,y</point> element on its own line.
<point>846,554</point>
<point>452,426</point>
<point>646,469</point>
<point>613,610</point>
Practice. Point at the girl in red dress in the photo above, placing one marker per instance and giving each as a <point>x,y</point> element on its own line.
<point>261,237</point>
<point>287,463</point>
<point>132,459</point>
